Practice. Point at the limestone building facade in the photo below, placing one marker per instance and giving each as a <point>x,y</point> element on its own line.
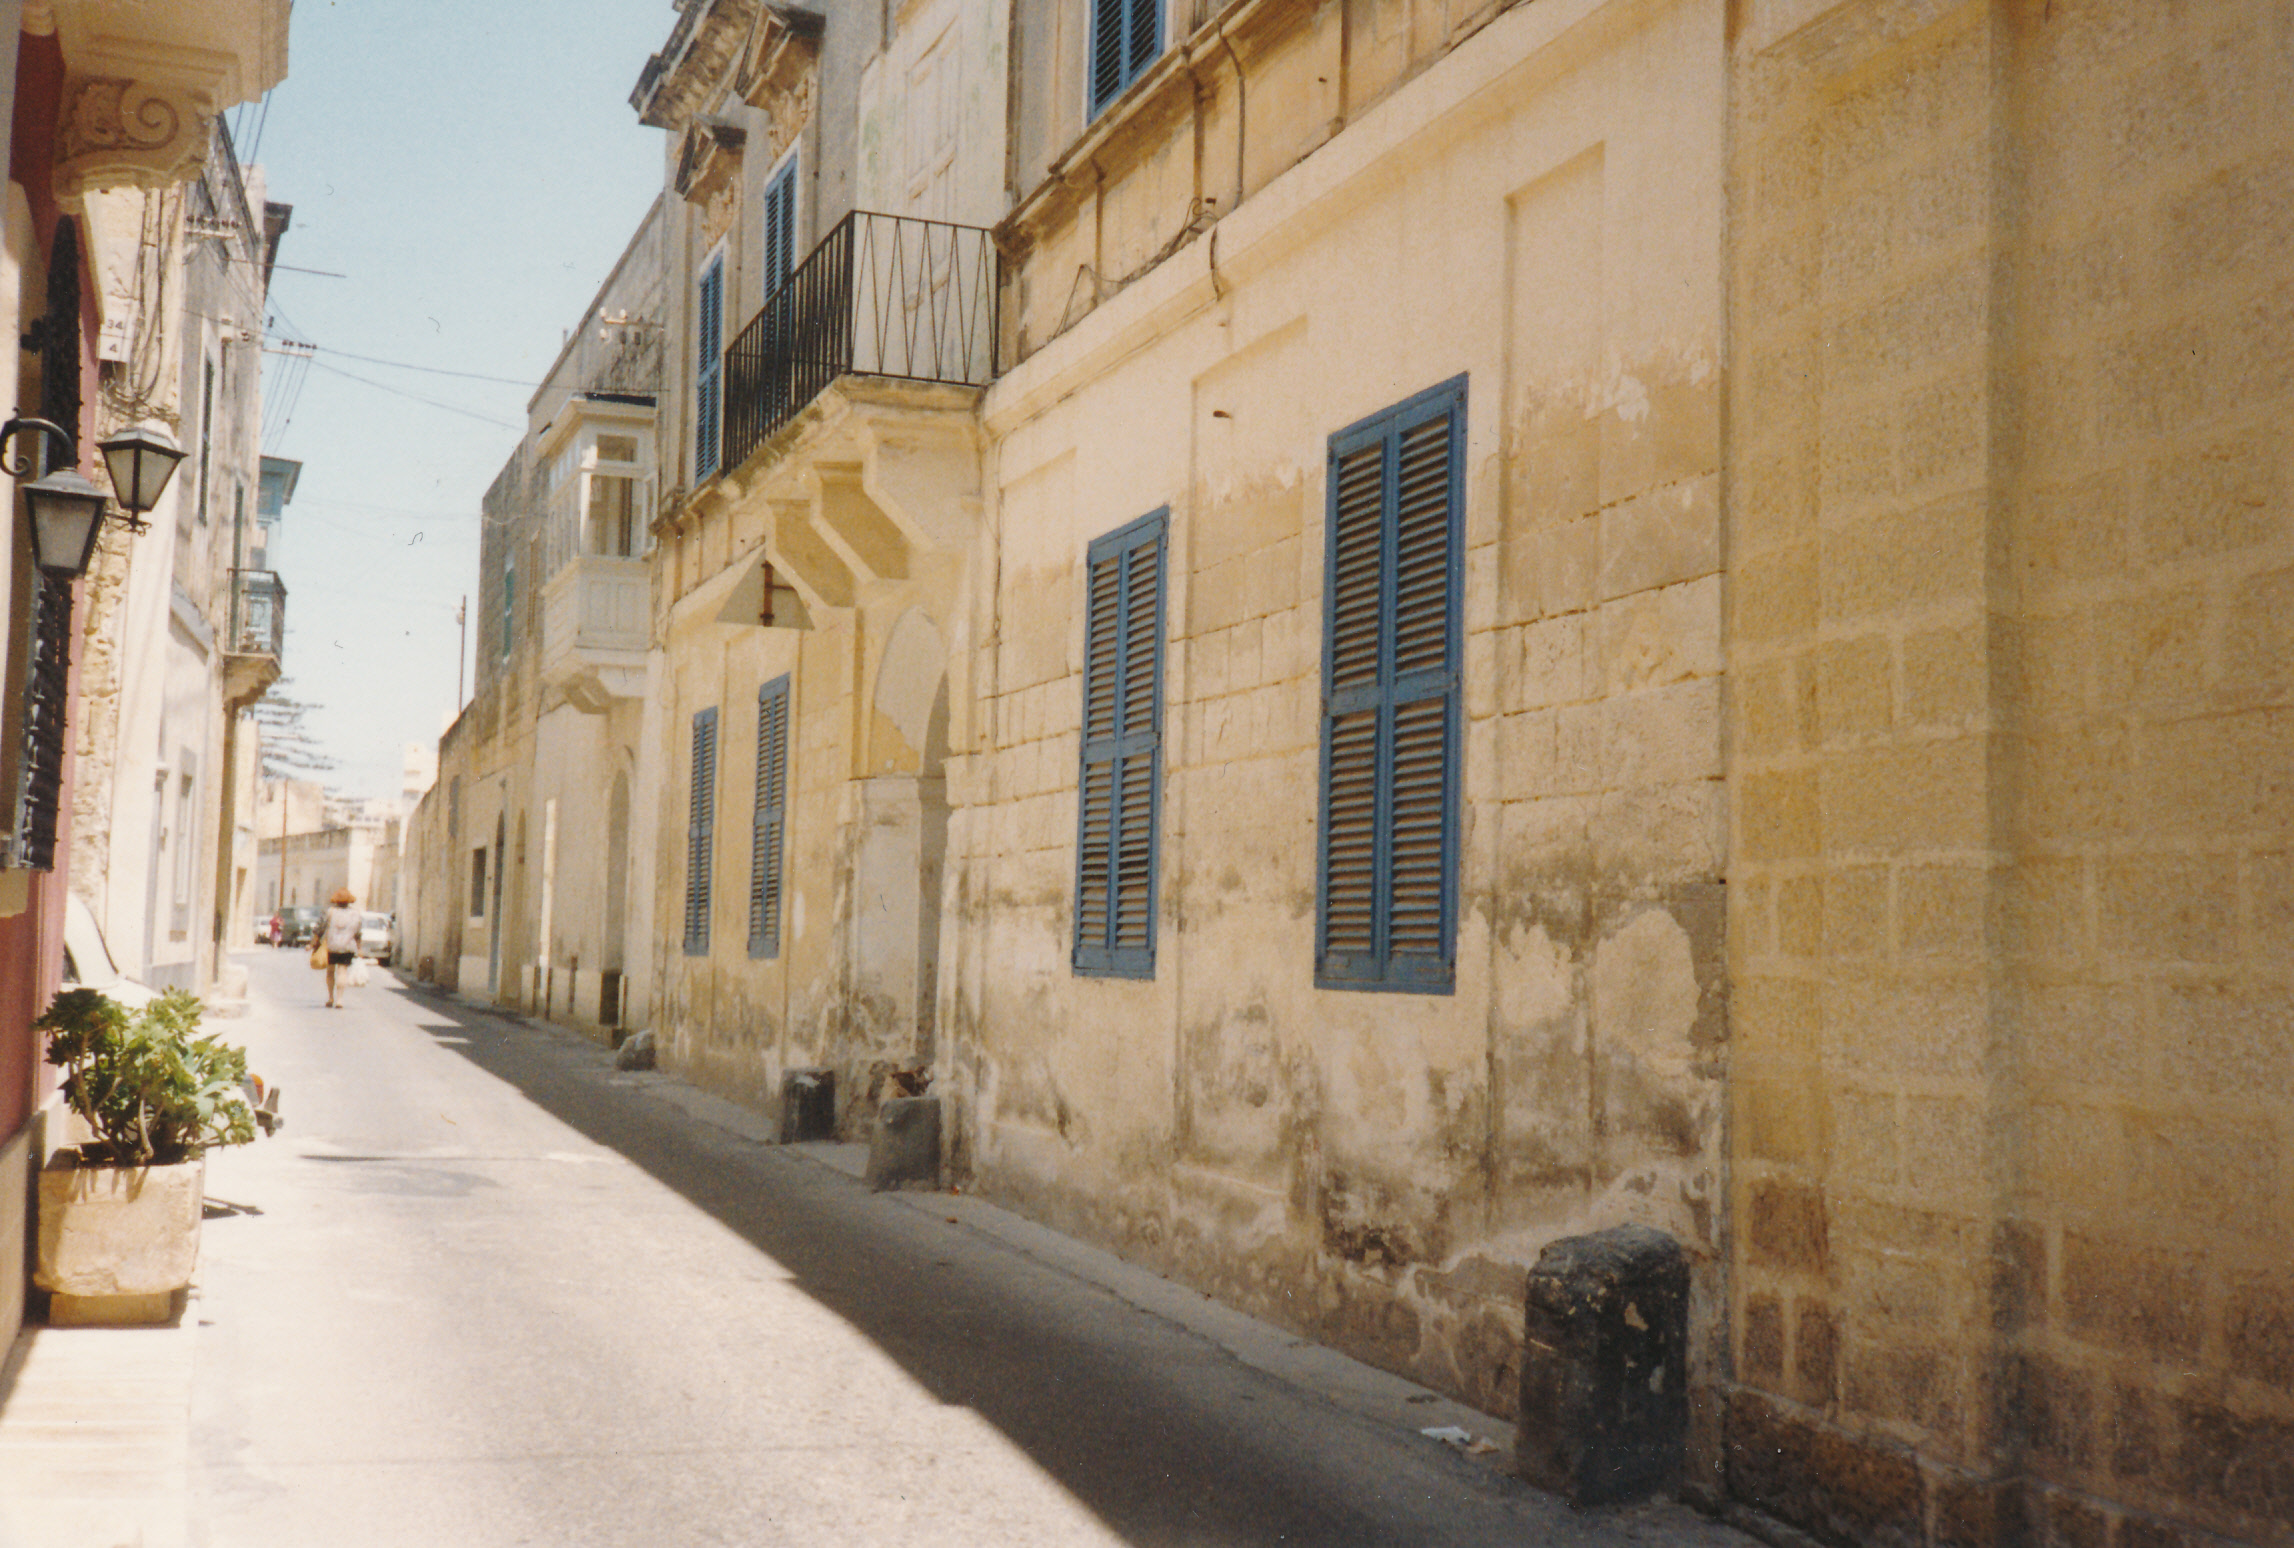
<point>74,76</point>
<point>516,861</point>
<point>1533,615</point>
<point>186,625</point>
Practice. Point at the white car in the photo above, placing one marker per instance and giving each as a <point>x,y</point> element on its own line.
<point>374,936</point>
<point>88,961</point>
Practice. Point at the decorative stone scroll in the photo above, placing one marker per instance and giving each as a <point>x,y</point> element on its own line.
<point>122,133</point>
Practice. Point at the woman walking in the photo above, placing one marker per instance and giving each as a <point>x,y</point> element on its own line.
<point>340,932</point>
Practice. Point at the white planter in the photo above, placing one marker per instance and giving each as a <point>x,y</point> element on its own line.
<point>118,1244</point>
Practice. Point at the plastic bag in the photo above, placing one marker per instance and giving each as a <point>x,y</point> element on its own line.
<point>319,952</point>
<point>357,976</point>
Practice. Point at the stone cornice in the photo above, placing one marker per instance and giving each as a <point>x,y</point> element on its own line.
<point>709,158</point>
<point>231,50</point>
<point>711,39</point>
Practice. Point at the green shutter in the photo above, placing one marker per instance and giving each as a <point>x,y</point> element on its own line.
<point>701,833</point>
<point>769,821</point>
<point>1387,903</point>
<point>1119,799</point>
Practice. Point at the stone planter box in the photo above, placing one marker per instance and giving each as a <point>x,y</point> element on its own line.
<point>118,1244</point>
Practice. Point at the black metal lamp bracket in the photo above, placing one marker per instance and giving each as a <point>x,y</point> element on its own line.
<point>20,466</point>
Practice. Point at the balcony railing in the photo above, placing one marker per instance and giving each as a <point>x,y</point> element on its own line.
<point>882,295</point>
<point>258,613</point>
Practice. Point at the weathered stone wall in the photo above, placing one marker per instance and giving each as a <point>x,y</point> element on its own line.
<point>1529,197</point>
<point>2010,706</point>
<point>852,984</point>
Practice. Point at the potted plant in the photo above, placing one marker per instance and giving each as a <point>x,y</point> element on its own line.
<point>119,1212</point>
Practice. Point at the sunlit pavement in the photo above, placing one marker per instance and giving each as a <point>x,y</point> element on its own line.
<point>483,1290</point>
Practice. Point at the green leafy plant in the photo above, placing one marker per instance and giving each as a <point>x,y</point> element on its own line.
<point>150,1087</point>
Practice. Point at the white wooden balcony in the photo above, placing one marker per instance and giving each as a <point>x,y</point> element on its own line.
<point>594,616</point>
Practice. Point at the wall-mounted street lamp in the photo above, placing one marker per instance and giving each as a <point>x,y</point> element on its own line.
<point>141,459</point>
<point>67,508</point>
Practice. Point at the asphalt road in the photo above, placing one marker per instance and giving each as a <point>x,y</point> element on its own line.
<point>484,1291</point>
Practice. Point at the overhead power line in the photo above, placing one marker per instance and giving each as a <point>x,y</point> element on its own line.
<point>400,392</point>
<point>406,365</point>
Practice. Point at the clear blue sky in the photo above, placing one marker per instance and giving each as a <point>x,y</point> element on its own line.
<point>472,170</point>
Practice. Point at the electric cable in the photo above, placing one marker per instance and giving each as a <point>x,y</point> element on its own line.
<point>416,397</point>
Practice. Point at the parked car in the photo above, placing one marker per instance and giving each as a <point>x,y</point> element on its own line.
<point>88,961</point>
<point>374,936</point>
<point>298,922</point>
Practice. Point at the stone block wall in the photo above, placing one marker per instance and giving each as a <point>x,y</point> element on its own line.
<point>2010,1151</point>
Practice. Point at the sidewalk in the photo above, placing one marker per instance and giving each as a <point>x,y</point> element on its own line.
<point>95,1437</point>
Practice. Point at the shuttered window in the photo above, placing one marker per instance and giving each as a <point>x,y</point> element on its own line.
<point>701,833</point>
<point>780,234</point>
<point>769,820</point>
<point>708,369</point>
<point>1126,37</point>
<point>1387,904</point>
<point>1121,781</point>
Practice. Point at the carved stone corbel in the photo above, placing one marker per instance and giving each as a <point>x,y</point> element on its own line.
<point>122,133</point>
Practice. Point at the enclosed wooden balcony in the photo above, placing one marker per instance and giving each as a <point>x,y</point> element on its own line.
<point>594,616</point>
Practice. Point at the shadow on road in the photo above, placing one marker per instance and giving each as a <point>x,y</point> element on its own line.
<point>1168,1439</point>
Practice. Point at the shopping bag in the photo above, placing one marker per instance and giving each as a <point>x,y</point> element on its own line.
<point>319,952</point>
<point>357,978</point>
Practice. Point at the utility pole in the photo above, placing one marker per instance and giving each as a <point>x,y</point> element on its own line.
<point>461,649</point>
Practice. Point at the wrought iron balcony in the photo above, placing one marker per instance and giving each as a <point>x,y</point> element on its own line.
<point>882,295</point>
<point>258,613</point>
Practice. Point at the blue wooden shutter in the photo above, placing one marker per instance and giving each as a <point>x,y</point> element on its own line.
<point>780,232</point>
<point>701,833</point>
<point>1119,800</point>
<point>708,369</point>
<point>769,820</point>
<point>1387,904</point>
<point>1126,37</point>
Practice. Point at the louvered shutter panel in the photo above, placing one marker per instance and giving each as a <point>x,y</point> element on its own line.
<point>1390,729</point>
<point>780,228</point>
<point>1143,36</point>
<point>700,833</point>
<point>769,821</point>
<point>708,378</point>
<point>1119,800</point>
<point>1107,39</point>
<point>1132,931</point>
<point>1424,684</point>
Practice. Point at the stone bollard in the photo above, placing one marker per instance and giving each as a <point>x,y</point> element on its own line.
<point>634,1052</point>
<point>808,1105</point>
<point>906,1145</point>
<point>1604,1371</point>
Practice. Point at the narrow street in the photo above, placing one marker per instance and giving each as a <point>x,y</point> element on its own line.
<point>483,1290</point>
